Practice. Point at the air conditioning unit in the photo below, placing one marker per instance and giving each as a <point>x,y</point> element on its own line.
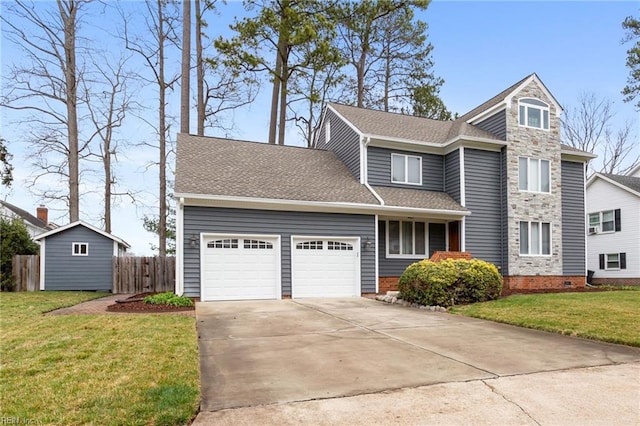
<point>594,230</point>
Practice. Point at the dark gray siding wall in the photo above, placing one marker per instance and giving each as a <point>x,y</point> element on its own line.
<point>66,272</point>
<point>285,224</point>
<point>496,124</point>
<point>393,267</point>
<point>504,215</point>
<point>483,198</point>
<point>573,219</point>
<point>379,169</point>
<point>344,141</point>
<point>452,174</point>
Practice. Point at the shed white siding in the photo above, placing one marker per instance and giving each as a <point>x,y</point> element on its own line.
<point>602,196</point>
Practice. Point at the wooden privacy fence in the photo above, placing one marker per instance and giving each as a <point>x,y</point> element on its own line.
<point>26,272</point>
<point>143,274</point>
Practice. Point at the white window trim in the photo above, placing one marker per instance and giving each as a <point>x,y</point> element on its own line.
<point>406,169</point>
<point>526,113</point>
<point>327,131</point>
<point>606,262</point>
<point>407,256</point>
<point>529,222</point>
<point>600,222</point>
<point>539,161</point>
<point>73,249</point>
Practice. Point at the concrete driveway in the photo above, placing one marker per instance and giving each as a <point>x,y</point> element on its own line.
<point>273,352</point>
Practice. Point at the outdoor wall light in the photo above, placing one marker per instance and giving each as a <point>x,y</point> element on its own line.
<point>193,242</point>
<point>368,244</point>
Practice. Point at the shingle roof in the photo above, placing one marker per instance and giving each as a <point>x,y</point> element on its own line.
<point>417,198</point>
<point>394,125</point>
<point>577,151</point>
<point>630,182</point>
<point>26,216</point>
<point>493,101</point>
<point>213,166</point>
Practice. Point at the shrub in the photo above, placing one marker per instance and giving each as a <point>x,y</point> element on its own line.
<point>168,298</point>
<point>450,282</point>
<point>15,240</point>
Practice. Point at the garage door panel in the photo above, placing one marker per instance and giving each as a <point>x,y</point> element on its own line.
<point>325,267</point>
<point>240,268</point>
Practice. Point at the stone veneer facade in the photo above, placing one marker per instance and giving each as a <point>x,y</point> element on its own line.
<point>532,206</point>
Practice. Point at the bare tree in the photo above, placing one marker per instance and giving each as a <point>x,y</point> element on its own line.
<point>185,84</point>
<point>590,127</point>
<point>108,100</point>
<point>151,47</point>
<point>46,86</point>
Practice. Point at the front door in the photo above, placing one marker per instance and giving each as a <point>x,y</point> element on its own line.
<point>454,236</point>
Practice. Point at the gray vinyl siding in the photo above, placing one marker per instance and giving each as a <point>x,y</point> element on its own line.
<point>344,142</point>
<point>285,224</point>
<point>452,175</point>
<point>496,124</point>
<point>379,169</point>
<point>573,219</point>
<point>393,267</point>
<point>483,228</point>
<point>66,272</point>
<point>504,196</point>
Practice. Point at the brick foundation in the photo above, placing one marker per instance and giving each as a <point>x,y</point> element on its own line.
<point>525,283</point>
<point>386,284</point>
<point>616,281</point>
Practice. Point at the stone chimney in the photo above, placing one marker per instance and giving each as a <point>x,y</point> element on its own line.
<point>43,214</point>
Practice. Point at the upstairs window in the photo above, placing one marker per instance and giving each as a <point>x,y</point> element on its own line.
<point>533,113</point>
<point>533,175</point>
<point>327,131</point>
<point>605,221</point>
<point>80,249</point>
<point>406,169</point>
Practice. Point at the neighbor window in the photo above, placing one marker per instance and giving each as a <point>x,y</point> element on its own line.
<point>406,169</point>
<point>80,249</point>
<point>533,175</point>
<point>406,238</point>
<point>604,221</point>
<point>535,238</point>
<point>534,113</point>
<point>613,261</point>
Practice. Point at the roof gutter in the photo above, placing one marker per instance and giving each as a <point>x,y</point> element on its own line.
<point>365,171</point>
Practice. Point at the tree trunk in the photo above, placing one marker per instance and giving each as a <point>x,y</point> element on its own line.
<point>186,66</point>
<point>162,214</point>
<point>283,101</point>
<point>199,71</point>
<point>107,183</point>
<point>277,78</point>
<point>71,85</point>
<point>360,78</point>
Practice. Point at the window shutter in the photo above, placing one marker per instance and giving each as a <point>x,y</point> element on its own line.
<point>623,260</point>
<point>602,261</point>
<point>617,219</point>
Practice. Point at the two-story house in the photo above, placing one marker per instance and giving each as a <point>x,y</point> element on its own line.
<point>35,224</point>
<point>613,242</point>
<point>379,192</point>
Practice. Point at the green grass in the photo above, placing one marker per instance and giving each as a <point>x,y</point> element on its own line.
<point>95,369</point>
<point>610,316</point>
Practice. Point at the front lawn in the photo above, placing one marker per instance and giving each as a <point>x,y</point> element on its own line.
<point>610,316</point>
<point>94,369</point>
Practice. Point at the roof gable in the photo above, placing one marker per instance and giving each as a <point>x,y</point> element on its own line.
<point>86,225</point>
<point>628,183</point>
<point>26,216</point>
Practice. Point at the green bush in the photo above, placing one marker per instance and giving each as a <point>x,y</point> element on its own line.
<point>168,299</point>
<point>450,282</point>
<point>14,239</point>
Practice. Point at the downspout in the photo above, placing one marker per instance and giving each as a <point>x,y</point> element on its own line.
<point>366,173</point>
<point>179,286</point>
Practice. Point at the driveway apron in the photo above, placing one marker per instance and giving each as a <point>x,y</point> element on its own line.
<point>264,352</point>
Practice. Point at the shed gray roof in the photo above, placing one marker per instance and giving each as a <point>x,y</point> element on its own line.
<point>417,198</point>
<point>214,166</point>
<point>630,182</point>
<point>394,125</point>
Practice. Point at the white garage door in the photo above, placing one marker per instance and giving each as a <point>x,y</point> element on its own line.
<point>239,267</point>
<point>325,267</point>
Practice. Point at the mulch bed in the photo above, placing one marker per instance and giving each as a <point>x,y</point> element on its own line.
<point>134,304</point>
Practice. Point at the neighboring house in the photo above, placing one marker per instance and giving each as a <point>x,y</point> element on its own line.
<point>78,256</point>
<point>35,224</point>
<point>613,207</point>
<point>381,191</point>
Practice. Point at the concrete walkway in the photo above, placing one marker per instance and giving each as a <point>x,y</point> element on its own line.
<point>359,361</point>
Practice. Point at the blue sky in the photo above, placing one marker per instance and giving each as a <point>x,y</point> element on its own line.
<point>481,48</point>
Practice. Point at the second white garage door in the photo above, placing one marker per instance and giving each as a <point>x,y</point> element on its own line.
<point>240,267</point>
<point>325,267</point>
